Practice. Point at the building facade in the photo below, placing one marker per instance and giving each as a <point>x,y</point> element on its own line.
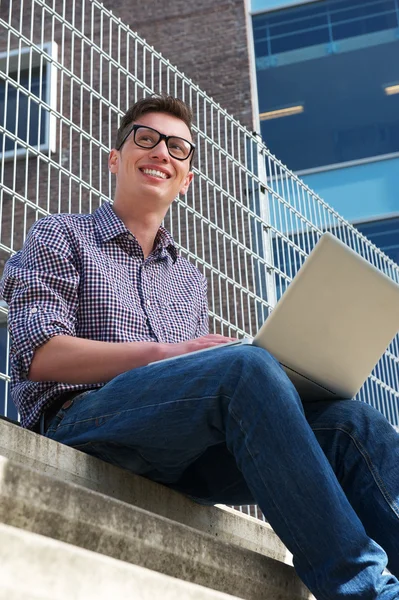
<point>328,88</point>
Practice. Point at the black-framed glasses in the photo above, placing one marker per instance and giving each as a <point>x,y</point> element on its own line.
<point>147,137</point>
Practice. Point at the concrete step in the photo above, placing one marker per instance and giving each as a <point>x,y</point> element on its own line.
<point>64,511</point>
<point>54,459</point>
<point>34,567</point>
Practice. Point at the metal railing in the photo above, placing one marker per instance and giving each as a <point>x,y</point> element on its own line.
<point>247,223</point>
<point>325,22</point>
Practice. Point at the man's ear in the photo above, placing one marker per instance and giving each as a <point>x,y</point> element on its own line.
<point>113,161</point>
<point>186,183</point>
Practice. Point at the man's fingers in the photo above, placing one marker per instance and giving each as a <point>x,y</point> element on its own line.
<point>216,337</point>
<point>208,341</point>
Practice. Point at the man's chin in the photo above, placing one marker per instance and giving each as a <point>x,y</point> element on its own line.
<point>156,196</point>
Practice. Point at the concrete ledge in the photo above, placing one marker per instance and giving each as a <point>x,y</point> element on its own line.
<point>34,567</point>
<point>67,512</point>
<point>57,460</point>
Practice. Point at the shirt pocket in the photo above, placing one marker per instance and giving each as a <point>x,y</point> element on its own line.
<point>180,320</point>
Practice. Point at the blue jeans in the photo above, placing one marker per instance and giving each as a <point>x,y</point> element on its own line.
<point>228,426</point>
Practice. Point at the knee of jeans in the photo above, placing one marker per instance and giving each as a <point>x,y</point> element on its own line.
<point>354,416</point>
<point>252,362</point>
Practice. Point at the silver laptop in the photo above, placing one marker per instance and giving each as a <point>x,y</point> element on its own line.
<point>333,323</point>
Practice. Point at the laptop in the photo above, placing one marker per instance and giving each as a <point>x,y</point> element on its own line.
<point>333,323</point>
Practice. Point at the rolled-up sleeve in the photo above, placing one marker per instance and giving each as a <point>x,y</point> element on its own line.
<point>40,285</point>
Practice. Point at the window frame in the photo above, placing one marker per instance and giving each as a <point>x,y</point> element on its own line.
<point>375,219</point>
<point>277,6</point>
<point>350,163</point>
<point>26,59</point>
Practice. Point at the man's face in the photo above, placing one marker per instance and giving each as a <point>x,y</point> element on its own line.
<point>152,174</point>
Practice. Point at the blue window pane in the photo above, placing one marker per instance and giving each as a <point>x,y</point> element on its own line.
<point>260,31</point>
<point>367,25</point>
<point>366,141</point>
<point>309,24</point>
<point>287,259</point>
<point>298,28</point>
<point>346,113</point>
<point>297,25</point>
<point>300,40</point>
<point>262,48</point>
<point>352,11</point>
<point>384,234</point>
<point>20,107</point>
<point>306,11</point>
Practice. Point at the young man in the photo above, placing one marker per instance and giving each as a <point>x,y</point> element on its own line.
<point>97,300</point>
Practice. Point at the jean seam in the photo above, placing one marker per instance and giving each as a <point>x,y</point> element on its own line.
<point>128,410</point>
<point>379,482</point>
<point>238,422</point>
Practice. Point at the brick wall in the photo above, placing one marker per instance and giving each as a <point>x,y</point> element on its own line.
<point>206,39</point>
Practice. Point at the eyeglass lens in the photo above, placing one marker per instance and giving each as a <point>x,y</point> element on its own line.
<point>149,138</point>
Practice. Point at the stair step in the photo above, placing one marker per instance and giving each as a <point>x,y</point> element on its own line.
<point>54,459</point>
<point>34,567</point>
<point>58,509</point>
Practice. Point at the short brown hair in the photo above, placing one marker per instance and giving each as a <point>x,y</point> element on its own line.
<point>155,103</point>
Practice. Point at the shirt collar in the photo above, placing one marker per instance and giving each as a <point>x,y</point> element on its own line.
<point>110,226</point>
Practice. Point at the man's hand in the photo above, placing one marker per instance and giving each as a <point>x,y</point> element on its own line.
<point>206,341</point>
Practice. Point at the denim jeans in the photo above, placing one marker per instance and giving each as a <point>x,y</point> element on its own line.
<point>227,426</point>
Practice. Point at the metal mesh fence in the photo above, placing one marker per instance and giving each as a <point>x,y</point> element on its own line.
<point>68,72</point>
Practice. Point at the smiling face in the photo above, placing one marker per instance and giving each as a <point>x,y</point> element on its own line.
<point>151,178</point>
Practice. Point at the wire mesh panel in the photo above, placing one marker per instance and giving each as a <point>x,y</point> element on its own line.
<point>68,72</point>
<point>297,218</point>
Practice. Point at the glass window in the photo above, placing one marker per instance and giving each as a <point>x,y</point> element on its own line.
<point>339,78</point>
<point>342,30</point>
<point>336,18</point>
<point>21,107</point>
<point>30,85</point>
<point>384,234</point>
<point>302,39</point>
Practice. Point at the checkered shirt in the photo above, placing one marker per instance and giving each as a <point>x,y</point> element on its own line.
<point>86,276</point>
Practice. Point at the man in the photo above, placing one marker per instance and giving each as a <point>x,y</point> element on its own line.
<point>97,300</point>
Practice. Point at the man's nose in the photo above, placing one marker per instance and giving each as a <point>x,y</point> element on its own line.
<point>160,151</point>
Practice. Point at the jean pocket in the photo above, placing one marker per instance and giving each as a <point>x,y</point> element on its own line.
<point>55,421</point>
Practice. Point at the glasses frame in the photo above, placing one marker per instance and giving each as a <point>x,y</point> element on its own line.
<point>162,136</point>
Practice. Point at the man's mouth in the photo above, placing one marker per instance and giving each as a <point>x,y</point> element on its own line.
<point>155,173</point>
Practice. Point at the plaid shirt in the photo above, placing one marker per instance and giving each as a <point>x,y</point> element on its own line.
<point>86,276</point>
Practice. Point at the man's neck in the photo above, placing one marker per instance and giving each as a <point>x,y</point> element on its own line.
<point>143,226</point>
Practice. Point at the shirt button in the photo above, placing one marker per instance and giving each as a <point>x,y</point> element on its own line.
<point>130,237</point>
<point>148,303</point>
<point>33,311</point>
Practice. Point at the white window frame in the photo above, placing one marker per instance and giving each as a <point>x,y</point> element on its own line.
<point>272,6</point>
<point>29,58</point>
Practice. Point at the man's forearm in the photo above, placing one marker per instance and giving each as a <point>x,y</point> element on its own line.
<point>70,359</point>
